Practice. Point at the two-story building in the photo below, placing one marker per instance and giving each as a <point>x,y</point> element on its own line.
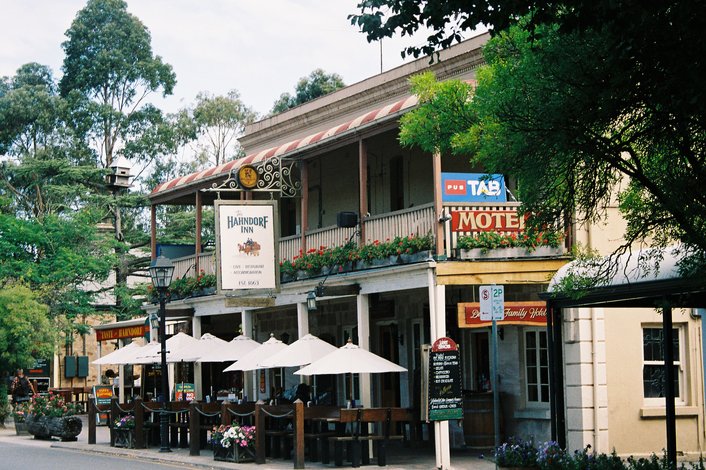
<point>340,153</point>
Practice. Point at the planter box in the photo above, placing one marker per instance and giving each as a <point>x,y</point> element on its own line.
<point>506,253</point>
<point>67,428</point>
<point>234,453</point>
<point>418,257</point>
<point>21,429</point>
<point>124,438</point>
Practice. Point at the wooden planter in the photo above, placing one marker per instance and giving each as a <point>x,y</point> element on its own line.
<point>124,438</point>
<point>234,453</point>
<point>66,428</point>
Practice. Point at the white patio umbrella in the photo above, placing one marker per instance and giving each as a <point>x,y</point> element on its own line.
<point>179,344</point>
<point>233,350</point>
<point>350,359</point>
<point>204,345</point>
<point>252,360</point>
<point>305,350</point>
<point>119,355</point>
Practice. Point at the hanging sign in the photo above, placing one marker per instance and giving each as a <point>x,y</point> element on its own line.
<point>246,245</point>
<point>529,313</point>
<point>487,220</point>
<point>445,394</point>
<point>185,392</point>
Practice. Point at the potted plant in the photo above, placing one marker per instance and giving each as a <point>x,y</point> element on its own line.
<point>124,431</point>
<point>413,248</point>
<point>51,415</point>
<point>204,284</point>
<point>233,443</point>
<point>19,415</point>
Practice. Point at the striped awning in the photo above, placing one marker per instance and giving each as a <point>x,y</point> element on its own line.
<point>288,148</point>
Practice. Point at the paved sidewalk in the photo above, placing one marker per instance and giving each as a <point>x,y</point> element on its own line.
<point>399,458</point>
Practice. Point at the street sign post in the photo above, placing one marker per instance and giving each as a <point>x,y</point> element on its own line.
<point>492,308</point>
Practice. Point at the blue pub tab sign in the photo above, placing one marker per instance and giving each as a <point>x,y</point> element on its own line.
<point>473,187</point>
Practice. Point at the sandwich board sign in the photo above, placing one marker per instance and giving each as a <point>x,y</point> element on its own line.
<point>445,394</point>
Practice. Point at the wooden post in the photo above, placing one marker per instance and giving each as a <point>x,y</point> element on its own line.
<point>259,434</point>
<point>226,417</point>
<point>92,411</point>
<point>298,434</point>
<point>362,186</point>
<point>197,241</point>
<point>304,205</point>
<point>194,429</point>
<point>114,414</point>
<point>139,412</point>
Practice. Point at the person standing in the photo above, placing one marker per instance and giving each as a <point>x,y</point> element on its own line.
<point>21,388</point>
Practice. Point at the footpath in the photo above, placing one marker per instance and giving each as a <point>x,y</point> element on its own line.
<point>399,458</point>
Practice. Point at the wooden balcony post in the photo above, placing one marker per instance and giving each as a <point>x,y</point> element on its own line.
<point>439,231</point>
<point>197,238</point>
<point>362,185</point>
<point>304,204</point>
<point>153,230</point>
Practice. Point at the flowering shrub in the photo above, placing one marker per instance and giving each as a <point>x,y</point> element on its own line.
<point>412,244</point>
<point>225,436</point>
<point>126,422</point>
<point>52,405</point>
<point>492,240</point>
<point>516,453</point>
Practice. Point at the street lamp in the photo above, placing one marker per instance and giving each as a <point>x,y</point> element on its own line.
<point>161,270</point>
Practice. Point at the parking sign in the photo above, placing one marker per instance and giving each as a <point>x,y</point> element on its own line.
<point>492,303</point>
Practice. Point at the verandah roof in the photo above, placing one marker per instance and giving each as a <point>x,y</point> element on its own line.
<point>199,178</point>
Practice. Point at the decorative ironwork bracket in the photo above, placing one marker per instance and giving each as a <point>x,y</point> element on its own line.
<point>272,176</point>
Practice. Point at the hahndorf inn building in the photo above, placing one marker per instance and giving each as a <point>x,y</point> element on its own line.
<point>331,173</point>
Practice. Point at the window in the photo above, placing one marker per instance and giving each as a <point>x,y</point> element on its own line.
<point>653,368</point>
<point>536,366</point>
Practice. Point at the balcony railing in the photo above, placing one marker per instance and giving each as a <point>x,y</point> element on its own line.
<point>419,220</point>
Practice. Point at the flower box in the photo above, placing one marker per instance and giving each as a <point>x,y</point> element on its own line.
<point>408,258</point>
<point>234,453</point>
<point>21,429</point>
<point>124,438</point>
<point>507,253</point>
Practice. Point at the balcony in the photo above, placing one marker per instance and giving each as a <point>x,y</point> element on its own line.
<point>417,220</point>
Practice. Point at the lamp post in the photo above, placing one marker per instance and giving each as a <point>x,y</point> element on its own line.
<point>161,270</point>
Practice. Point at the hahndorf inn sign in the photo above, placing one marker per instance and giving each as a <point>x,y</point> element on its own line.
<point>516,313</point>
<point>246,248</point>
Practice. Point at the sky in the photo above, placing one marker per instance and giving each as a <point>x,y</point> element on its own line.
<point>258,47</point>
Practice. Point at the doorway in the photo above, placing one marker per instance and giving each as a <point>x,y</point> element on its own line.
<point>390,382</point>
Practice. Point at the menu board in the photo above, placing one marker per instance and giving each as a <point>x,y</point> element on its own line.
<point>445,394</point>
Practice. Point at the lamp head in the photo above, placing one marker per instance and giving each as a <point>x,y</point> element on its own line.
<point>161,271</point>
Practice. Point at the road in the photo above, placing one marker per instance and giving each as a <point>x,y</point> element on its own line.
<point>19,454</point>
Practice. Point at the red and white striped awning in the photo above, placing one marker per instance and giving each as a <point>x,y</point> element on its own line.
<point>288,148</point>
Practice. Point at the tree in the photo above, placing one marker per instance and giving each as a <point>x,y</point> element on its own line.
<point>318,83</point>
<point>218,121</point>
<point>583,99</point>
<point>25,331</point>
<point>109,71</point>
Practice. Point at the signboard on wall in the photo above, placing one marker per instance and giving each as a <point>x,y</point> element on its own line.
<point>246,245</point>
<point>528,313</point>
<point>472,187</point>
<point>487,221</point>
<point>110,334</point>
<point>445,393</point>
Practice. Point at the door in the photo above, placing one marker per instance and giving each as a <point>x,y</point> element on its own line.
<point>390,383</point>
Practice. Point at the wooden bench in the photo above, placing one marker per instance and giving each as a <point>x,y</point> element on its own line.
<point>360,419</point>
<point>316,435</point>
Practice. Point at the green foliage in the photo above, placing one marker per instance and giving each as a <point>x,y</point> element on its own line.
<point>318,83</point>
<point>444,110</point>
<point>4,404</point>
<point>549,456</point>
<point>492,240</point>
<point>219,121</point>
<point>25,331</point>
<point>53,406</point>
